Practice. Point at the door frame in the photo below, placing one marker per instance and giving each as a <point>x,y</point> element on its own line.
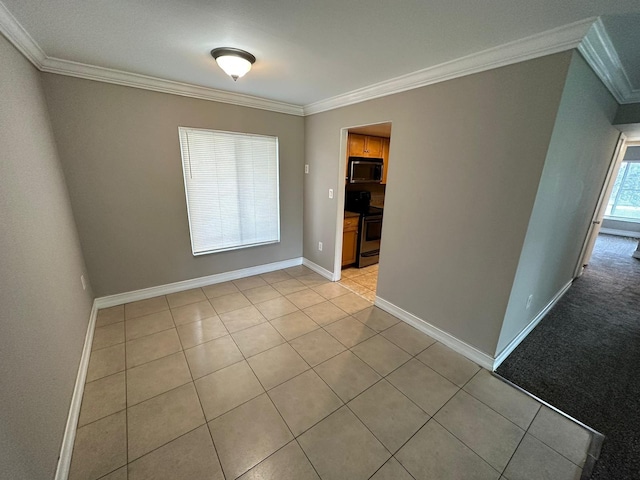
<point>339,195</point>
<point>598,214</point>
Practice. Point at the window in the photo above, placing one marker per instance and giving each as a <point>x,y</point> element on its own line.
<point>231,184</point>
<point>625,197</point>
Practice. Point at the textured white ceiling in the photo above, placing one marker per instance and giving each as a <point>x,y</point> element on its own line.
<point>306,50</point>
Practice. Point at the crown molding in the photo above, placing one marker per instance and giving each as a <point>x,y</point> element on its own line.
<point>602,57</point>
<point>135,80</point>
<point>588,35</point>
<point>19,37</point>
<point>545,43</point>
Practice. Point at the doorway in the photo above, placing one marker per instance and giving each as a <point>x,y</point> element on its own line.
<point>605,215</point>
<point>363,167</point>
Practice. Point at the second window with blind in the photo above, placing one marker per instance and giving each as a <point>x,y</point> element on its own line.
<point>232,188</point>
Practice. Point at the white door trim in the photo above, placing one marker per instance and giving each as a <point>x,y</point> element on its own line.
<point>342,168</point>
<point>596,219</point>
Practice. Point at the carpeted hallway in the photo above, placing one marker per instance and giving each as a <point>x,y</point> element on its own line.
<point>584,357</point>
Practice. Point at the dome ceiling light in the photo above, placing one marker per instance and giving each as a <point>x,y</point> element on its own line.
<point>235,62</point>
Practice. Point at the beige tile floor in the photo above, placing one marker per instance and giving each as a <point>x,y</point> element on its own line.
<point>363,281</point>
<point>287,376</point>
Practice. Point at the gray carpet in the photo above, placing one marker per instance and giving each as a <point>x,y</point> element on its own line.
<point>584,356</point>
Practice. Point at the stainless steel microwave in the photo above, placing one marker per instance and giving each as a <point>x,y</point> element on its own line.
<point>365,170</point>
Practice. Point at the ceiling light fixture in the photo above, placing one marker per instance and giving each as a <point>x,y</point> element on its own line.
<point>235,62</point>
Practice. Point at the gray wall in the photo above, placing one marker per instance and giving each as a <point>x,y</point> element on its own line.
<point>627,114</point>
<point>632,153</point>
<point>629,228</point>
<point>465,160</point>
<point>120,152</point>
<point>45,312</point>
<point>579,156</point>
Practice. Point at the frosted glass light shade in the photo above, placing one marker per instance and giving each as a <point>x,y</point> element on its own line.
<point>235,67</point>
<point>235,62</point>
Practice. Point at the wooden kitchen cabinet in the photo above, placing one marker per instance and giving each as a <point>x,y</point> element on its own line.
<point>365,146</point>
<point>349,241</point>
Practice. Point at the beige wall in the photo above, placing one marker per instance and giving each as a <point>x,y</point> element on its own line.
<point>465,161</point>
<point>120,152</point>
<point>579,156</point>
<point>45,312</point>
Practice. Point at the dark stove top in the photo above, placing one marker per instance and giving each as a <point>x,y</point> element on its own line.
<point>367,211</point>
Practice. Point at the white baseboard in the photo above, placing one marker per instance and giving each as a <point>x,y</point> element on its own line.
<point>143,294</point>
<point>523,334</point>
<point>318,269</point>
<point>64,462</point>
<point>620,233</point>
<point>443,337</point>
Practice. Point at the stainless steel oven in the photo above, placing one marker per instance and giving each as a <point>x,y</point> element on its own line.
<point>370,235</point>
<point>370,227</point>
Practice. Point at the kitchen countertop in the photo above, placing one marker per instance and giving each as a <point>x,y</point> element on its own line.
<point>350,214</point>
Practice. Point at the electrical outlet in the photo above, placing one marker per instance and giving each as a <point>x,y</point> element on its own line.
<point>84,282</point>
<point>320,246</point>
<point>306,169</point>
<point>331,193</point>
<point>529,300</point>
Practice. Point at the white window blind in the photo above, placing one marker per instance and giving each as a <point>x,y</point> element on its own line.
<point>231,184</point>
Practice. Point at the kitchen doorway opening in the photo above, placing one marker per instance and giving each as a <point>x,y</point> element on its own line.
<point>364,165</point>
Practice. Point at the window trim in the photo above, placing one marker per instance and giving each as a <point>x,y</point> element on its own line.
<point>618,218</point>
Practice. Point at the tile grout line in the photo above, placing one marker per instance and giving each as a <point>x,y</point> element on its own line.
<point>281,417</point>
<point>519,442</point>
<point>513,454</point>
<point>403,394</point>
<point>191,375</point>
<point>346,404</point>
<point>182,350</point>
<point>493,409</point>
<point>126,400</point>
<point>581,467</point>
<point>432,417</point>
<point>526,430</point>
<point>204,415</point>
<point>471,449</point>
<point>596,437</point>
<point>267,393</point>
<point>401,466</point>
<point>162,393</point>
<point>460,389</point>
<point>348,349</point>
<point>295,439</point>
<point>155,396</point>
<point>312,368</point>
<point>488,406</point>
<point>166,391</point>
<point>165,444</point>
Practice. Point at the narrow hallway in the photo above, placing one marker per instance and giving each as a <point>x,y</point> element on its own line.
<point>584,356</point>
